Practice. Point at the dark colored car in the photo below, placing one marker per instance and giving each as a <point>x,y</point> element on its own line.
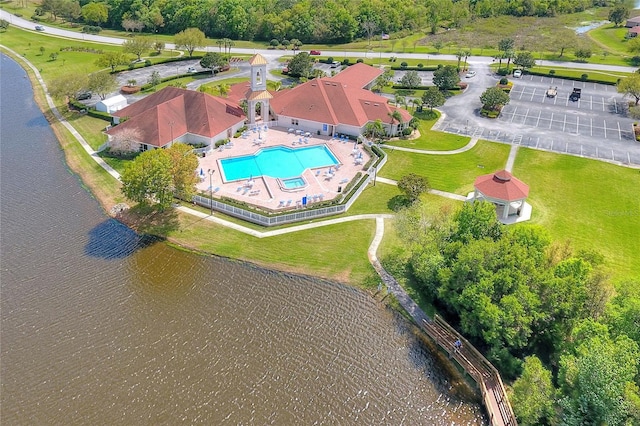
<point>314,52</point>
<point>83,96</point>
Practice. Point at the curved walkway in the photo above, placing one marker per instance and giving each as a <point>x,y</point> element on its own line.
<point>467,147</point>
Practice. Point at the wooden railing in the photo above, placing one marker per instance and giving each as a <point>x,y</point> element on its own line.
<point>478,367</point>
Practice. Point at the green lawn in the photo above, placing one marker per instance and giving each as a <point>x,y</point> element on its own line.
<point>612,37</point>
<point>430,139</point>
<point>337,252</point>
<point>610,76</point>
<point>452,173</point>
<point>592,203</point>
<point>89,127</point>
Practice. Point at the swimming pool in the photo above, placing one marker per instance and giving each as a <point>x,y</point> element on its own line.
<point>277,162</point>
<point>294,183</point>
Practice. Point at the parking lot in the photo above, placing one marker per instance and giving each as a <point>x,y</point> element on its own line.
<point>595,126</point>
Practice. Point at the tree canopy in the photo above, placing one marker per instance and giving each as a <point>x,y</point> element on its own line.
<point>630,86</point>
<point>190,39</point>
<point>432,98</point>
<point>494,97</point>
<point>154,176</point>
<point>301,65</point>
<point>137,45</point>
<point>213,61</point>
<point>446,77</point>
<point>413,186</point>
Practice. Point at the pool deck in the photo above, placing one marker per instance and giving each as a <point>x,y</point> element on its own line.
<point>265,191</point>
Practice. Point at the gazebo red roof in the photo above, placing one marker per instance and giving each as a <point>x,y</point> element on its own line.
<point>501,185</point>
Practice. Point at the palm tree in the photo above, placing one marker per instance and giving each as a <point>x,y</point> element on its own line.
<point>220,43</point>
<point>374,129</point>
<point>459,55</point>
<point>416,103</point>
<point>466,54</point>
<point>395,116</point>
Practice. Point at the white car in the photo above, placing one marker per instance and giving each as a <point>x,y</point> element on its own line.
<point>517,74</point>
<point>39,28</point>
<point>470,74</point>
<point>191,70</point>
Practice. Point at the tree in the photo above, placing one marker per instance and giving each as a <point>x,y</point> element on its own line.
<point>505,45</point>
<point>95,13</point>
<point>301,65</point>
<point>413,186</point>
<point>374,129</point>
<point>147,179</point>
<point>213,61</point>
<point>618,14</point>
<point>296,44</point>
<point>493,98</point>
<point>54,7</point>
<point>158,46</point>
<point>190,39</point>
<point>446,77</point>
<point>68,85</point>
<point>71,10</point>
<point>583,53</point>
<point>633,45</point>
<point>525,60</point>
<point>154,79</point>
<point>4,24</point>
<point>183,164</point>
<point>630,86</point>
<point>432,98</point>
<point>411,80</point>
<point>102,83</point>
<point>533,394</point>
<point>137,46</point>
<point>597,379</point>
<point>369,28</point>
<point>125,141</point>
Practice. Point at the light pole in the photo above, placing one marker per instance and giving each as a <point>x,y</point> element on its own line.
<point>211,171</point>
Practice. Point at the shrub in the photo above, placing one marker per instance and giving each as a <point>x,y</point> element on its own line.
<point>504,80</point>
<point>91,29</point>
<point>407,131</point>
<point>584,77</point>
<point>274,42</point>
<point>552,72</point>
<point>404,64</point>
<point>330,59</point>
<point>359,61</point>
<point>503,71</point>
<point>147,63</point>
<point>420,65</point>
<point>131,66</point>
<point>345,61</point>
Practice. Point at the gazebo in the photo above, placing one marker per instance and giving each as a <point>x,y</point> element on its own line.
<point>506,192</point>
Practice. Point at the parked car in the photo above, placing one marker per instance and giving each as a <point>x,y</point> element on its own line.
<point>517,74</point>
<point>81,96</point>
<point>39,28</point>
<point>470,74</point>
<point>314,52</point>
<point>191,70</point>
<point>575,95</point>
<point>335,64</point>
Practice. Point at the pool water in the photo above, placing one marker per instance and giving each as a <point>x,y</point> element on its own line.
<point>277,162</point>
<point>293,183</point>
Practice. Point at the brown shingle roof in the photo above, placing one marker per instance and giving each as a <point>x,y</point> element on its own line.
<point>173,112</point>
<point>502,185</point>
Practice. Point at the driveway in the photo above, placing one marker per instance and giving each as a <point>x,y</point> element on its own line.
<point>596,126</point>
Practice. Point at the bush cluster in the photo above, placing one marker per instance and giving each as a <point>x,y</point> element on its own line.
<point>81,49</point>
<point>91,29</point>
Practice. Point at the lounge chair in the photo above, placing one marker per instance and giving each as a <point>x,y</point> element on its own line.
<point>289,202</point>
<point>217,189</point>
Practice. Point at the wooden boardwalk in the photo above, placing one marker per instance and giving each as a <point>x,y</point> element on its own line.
<point>477,366</point>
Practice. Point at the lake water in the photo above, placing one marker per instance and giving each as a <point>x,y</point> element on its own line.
<point>101,326</point>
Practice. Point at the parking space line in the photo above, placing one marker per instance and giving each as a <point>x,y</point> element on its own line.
<point>565,122</point>
<point>605,128</point>
<point>591,127</point>
<point>577,125</point>
<point>533,94</point>
<point>514,114</point>
<point>539,114</point>
<point>619,131</point>
<point>615,104</point>
<point>613,157</point>
<point>527,115</point>
<point>591,101</point>
<point>521,93</point>
<point>551,121</point>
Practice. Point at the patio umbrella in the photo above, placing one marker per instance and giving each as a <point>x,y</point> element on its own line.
<point>201,172</point>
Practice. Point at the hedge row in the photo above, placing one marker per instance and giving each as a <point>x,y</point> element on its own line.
<point>399,86</point>
<point>588,80</point>
<point>91,112</point>
<point>426,68</point>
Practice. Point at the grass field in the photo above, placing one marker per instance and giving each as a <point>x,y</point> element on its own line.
<point>451,173</point>
<point>610,76</point>
<point>89,127</point>
<point>430,139</point>
<point>611,37</point>
<point>592,203</point>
